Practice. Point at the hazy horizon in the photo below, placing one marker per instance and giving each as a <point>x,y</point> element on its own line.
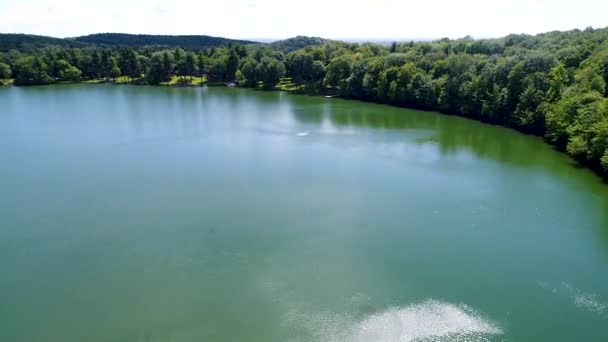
<point>379,40</point>
<point>382,20</point>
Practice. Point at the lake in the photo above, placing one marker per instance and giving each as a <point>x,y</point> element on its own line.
<point>220,214</point>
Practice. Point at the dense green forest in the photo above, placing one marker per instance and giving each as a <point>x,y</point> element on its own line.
<point>552,84</point>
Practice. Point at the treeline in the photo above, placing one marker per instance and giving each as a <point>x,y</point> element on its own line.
<point>142,66</point>
<point>552,84</point>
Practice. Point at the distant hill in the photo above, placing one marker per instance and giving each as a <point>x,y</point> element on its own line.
<point>26,42</point>
<point>296,43</point>
<point>141,40</point>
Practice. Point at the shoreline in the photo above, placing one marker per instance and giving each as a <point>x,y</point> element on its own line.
<point>597,170</point>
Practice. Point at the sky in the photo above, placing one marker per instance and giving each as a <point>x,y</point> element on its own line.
<point>273,19</point>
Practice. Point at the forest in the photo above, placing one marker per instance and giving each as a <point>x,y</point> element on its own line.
<point>553,84</point>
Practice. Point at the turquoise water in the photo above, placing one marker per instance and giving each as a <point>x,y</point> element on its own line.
<point>216,214</point>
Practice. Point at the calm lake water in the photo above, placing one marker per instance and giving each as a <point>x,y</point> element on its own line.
<point>216,214</point>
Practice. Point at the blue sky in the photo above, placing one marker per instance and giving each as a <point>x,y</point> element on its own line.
<point>377,19</point>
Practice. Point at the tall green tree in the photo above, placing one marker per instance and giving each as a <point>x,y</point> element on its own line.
<point>270,71</point>
<point>68,72</point>
<point>217,70</point>
<point>167,65</point>
<point>232,64</point>
<point>299,66</point>
<point>5,71</point>
<point>160,68</point>
<point>188,67</point>
<point>31,70</point>
<point>249,72</point>
<point>129,64</point>
<point>338,71</point>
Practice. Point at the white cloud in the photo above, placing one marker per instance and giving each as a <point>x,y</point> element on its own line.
<point>278,19</point>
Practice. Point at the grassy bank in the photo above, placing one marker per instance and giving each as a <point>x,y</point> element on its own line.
<point>174,81</point>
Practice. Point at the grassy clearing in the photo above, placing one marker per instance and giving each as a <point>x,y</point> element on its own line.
<point>118,80</point>
<point>93,81</point>
<point>122,80</point>
<point>287,84</point>
<point>174,81</point>
<point>171,82</point>
<point>186,80</point>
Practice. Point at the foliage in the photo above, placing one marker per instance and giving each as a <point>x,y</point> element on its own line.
<point>160,68</point>
<point>68,72</point>
<point>296,43</point>
<point>249,74</point>
<point>31,70</point>
<point>5,70</point>
<point>270,71</point>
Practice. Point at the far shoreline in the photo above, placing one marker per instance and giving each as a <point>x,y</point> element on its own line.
<point>330,93</point>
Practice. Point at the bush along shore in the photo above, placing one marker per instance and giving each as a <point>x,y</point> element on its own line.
<point>553,84</point>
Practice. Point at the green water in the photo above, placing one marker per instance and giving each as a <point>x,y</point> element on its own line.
<point>216,214</point>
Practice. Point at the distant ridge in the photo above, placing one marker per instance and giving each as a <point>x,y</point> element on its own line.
<point>141,40</point>
<point>26,42</point>
<point>296,43</point>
